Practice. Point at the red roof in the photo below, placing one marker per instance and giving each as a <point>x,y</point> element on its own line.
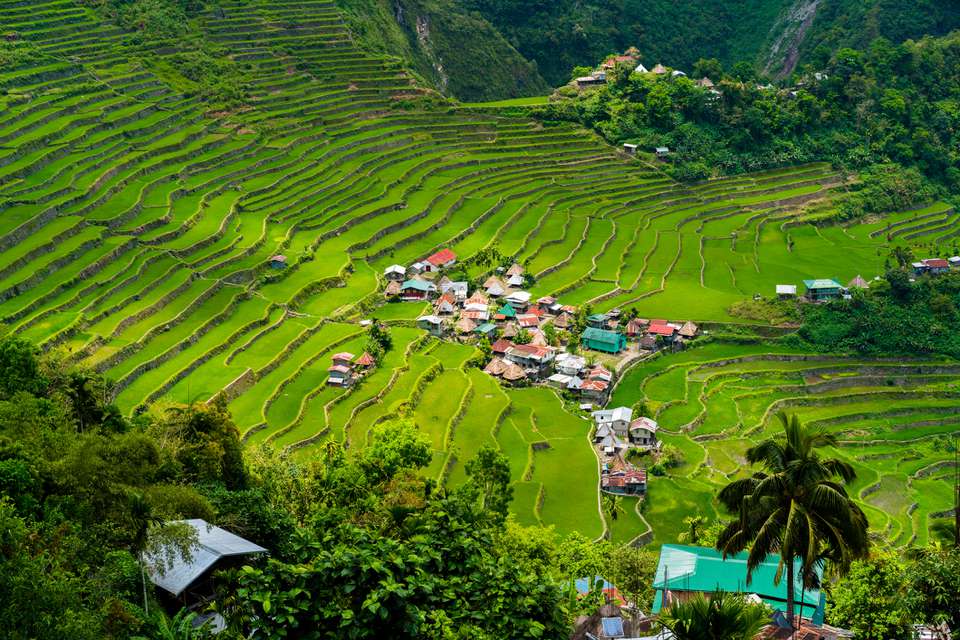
<point>339,369</point>
<point>532,350</point>
<point>343,355</point>
<point>501,346</point>
<point>622,479</point>
<point>593,385</point>
<point>282,258</point>
<point>536,311</point>
<point>365,360</point>
<point>936,263</point>
<point>528,320</point>
<point>442,257</point>
<point>662,329</point>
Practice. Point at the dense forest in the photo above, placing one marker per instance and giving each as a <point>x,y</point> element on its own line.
<point>864,108</point>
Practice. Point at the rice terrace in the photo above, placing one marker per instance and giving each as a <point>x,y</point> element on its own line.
<point>186,253</point>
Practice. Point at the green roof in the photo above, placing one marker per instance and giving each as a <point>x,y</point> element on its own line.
<point>822,283</point>
<point>507,310</point>
<point>420,285</point>
<point>688,568</point>
<point>486,327</point>
<point>601,335</point>
<point>597,317</point>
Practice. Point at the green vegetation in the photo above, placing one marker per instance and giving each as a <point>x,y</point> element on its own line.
<point>887,103</point>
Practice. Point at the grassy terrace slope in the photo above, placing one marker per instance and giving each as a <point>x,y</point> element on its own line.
<point>135,226</point>
<point>717,400</point>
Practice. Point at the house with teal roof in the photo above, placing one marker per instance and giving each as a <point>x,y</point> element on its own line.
<point>822,289</point>
<point>686,570</point>
<point>603,340</point>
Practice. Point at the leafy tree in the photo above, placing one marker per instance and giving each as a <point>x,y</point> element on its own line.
<point>797,508</point>
<point>612,506</point>
<point>935,583</point>
<point>695,525</point>
<point>20,368</point>
<point>489,472</point>
<point>720,616</point>
<point>873,600</point>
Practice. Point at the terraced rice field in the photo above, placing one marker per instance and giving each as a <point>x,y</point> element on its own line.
<point>891,417</point>
<point>136,226</point>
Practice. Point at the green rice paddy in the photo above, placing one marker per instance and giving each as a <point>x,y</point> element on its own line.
<point>136,228</point>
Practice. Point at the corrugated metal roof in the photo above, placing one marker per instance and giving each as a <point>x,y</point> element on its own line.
<point>213,543</point>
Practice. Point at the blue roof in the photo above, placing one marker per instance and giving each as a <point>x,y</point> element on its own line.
<point>612,627</point>
<point>583,584</point>
<point>703,569</point>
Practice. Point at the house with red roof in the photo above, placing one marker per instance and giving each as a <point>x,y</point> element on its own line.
<point>535,360</point>
<point>365,361</point>
<point>628,482</point>
<point>443,259</point>
<point>500,346</point>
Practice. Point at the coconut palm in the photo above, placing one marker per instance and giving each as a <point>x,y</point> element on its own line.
<point>721,616</point>
<point>797,507</point>
<point>695,526</point>
<point>613,506</point>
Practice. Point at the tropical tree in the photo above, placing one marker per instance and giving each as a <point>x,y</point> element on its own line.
<point>797,507</point>
<point>695,526</point>
<point>720,616</point>
<point>612,506</point>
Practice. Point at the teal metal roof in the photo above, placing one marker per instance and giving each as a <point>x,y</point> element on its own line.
<point>507,310</point>
<point>420,285</point>
<point>487,327</point>
<point>601,335</point>
<point>688,568</point>
<point>822,283</point>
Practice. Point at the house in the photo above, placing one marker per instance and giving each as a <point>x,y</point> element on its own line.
<point>519,300</point>
<point>648,343</point>
<point>630,148</point>
<point>858,283</point>
<point>538,338</point>
<point>278,261</point>
<point>641,69</point>
<point>509,329</point>
<point>500,347</point>
<point>443,259</point>
<point>603,340</point>
<point>393,289</point>
<point>365,361</point>
<point>563,321</point>
<point>432,324</point>
<point>662,153</point>
<point>514,373</point>
<point>418,267</point>
<point>599,372</point>
<point>954,261</point>
<point>515,280</point>
<point>190,578</point>
<point>515,270</point>
<point>705,83</point>
<point>659,69</point>
<point>475,315</point>
<point>547,303</point>
<point>495,367</point>
<point>536,360</point>
<point>611,445</point>
<point>506,312</point>
<point>495,287</point>
<point>528,321</point>
<point>933,266</point>
<point>416,290</point>
<point>395,272</point>
<point>477,298</point>
<point>688,331</point>
<point>559,380</point>
<point>687,570</point>
<point>643,432</point>
<point>785,291</point>
<point>617,419</point>
<point>487,330</point>
<point>344,359</point>
<point>569,364</point>
<point>340,375</point>
<point>598,321</point>
<point>637,327</point>
<point>584,82</point>
<point>822,289</point>
<point>630,482</point>
<point>465,326</point>
<point>457,289</point>
<point>445,304</point>
<point>593,390</point>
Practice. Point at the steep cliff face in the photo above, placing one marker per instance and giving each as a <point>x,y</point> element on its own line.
<point>458,53</point>
<point>787,37</point>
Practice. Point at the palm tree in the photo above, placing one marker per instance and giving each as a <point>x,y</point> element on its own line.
<point>721,616</point>
<point>695,525</point>
<point>797,507</point>
<point>612,506</point>
<point>142,519</point>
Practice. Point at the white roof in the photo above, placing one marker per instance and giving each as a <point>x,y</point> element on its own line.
<point>495,289</point>
<point>519,296</point>
<point>612,415</point>
<point>786,289</point>
<point>644,423</point>
<point>954,259</point>
<point>516,281</point>
<point>420,265</point>
<point>560,378</point>
<point>213,543</point>
<point>571,360</point>
<point>458,288</point>
<point>475,306</point>
<point>431,319</point>
<point>641,69</point>
<point>628,145</point>
<point>395,268</point>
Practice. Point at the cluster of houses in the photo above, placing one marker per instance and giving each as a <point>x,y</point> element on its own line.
<point>935,266</point>
<point>347,368</point>
<point>616,430</point>
<point>821,289</point>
